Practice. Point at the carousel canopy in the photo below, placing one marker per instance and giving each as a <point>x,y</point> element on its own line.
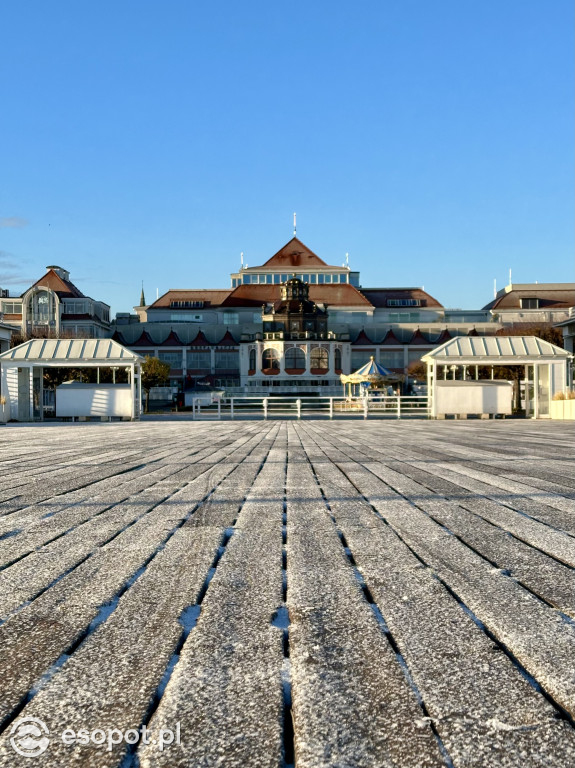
<point>371,371</point>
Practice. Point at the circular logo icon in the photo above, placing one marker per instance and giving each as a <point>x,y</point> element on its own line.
<point>29,737</point>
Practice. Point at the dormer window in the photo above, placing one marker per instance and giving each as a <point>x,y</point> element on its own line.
<point>530,303</point>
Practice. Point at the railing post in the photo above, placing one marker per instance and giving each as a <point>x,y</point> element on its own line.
<point>399,406</point>
<point>298,405</point>
<point>219,409</point>
<point>265,404</point>
<point>232,408</point>
<point>331,407</point>
<point>365,407</point>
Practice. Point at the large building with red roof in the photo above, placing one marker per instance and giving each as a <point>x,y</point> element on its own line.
<point>264,352</point>
<point>53,306</point>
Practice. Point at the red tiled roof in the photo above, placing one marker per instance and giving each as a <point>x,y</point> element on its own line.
<point>144,340</point>
<point>561,297</point>
<point>171,340</point>
<point>294,255</point>
<point>379,297</point>
<point>362,339</point>
<point>212,297</point>
<point>64,288</point>
<point>418,338</point>
<point>117,336</point>
<point>227,340</point>
<point>445,336</point>
<point>334,294</point>
<point>200,340</point>
<point>391,340</point>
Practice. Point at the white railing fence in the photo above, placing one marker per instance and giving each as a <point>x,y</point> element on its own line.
<point>250,406</point>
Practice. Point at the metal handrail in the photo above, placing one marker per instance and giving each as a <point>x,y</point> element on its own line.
<point>397,406</point>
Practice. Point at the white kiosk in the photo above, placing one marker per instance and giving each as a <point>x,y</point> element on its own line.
<point>21,376</point>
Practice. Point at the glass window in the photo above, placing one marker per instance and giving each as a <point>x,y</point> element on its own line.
<point>276,279</point>
<point>12,307</point>
<point>319,358</point>
<point>320,278</point>
<point>231,318</point>
<point>294,358</point>
<point>257,317</point>
<point>391,358</point>
<point>199,360</point>
<point>271,359</point>
<point>227,360</point>
<point>185,317</point>
<point>337,359</point>
<point>252,359</point>
<point>313,280</point>
<point>173,358</point>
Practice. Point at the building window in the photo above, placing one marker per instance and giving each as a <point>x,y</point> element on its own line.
<point>252,364</point>
<point>294,358</point>
<point>186,304</point>
<point>391,358</point>
<point>337,360</point>
<point>199,361</point>
<point>319,358</point>
<point>271,359</point>
<point>227,361</point>
<point>75,307</point>
<point>530,303</point>
<point>12,307</point>
<point>404,317</point>
<point>185,317</point>
<point>173,358</point>
<point>42,308</point>
<point>360,357</point>
<point>403,302</point>
<point>231,318</point>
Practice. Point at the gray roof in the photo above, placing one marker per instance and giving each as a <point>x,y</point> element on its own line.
<point>82,351</point>
<point>497,348</point>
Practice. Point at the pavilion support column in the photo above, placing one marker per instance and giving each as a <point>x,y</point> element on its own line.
<point>535,391</point>
<point>133,391</point>
<point>476,373</point>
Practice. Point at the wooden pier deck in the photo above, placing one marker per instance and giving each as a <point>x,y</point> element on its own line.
<point>288,593</point>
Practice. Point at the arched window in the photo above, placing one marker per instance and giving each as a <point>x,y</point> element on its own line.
<point>337,359</point>
<point>271,359</point>
<point>42,308</point>
<point>295,358</point>
<point>252,360</point>
<point>319,359</point>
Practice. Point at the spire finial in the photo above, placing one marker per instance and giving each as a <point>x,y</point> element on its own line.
<point>142,297</point>
<point>242,259</point>
<point>294,225</point>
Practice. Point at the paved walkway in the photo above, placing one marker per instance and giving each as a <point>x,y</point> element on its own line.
<point>329,594</point>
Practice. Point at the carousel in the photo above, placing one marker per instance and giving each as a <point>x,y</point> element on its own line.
<point>371,375</point>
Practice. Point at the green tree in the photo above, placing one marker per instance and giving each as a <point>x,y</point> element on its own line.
<point>155,373</point>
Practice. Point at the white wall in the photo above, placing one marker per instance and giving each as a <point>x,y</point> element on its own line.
<point>473,397</point>
<point>76,399</point>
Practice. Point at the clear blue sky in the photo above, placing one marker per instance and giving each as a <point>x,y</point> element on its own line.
<point>433,140</point>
